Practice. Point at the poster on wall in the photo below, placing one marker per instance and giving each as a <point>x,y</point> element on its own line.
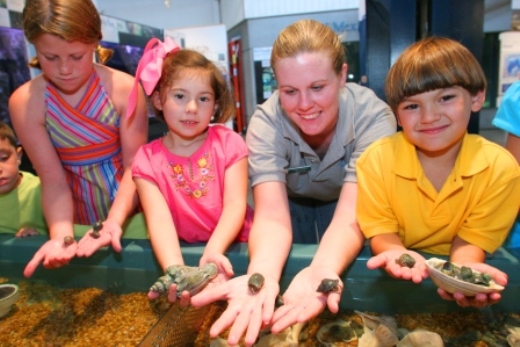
<point>509,69</point>
<point>264,75</point>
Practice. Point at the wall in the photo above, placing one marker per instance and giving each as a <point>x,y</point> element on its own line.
<point>189,13</point>
<point>180,14</point>
<point>235,11</point>
<point>186,13</point>
<point>261,32</point>
<point>497,15</point>
<point>266,18</point>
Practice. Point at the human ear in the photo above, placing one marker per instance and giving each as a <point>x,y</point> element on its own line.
<point>344,70</point>
<point>215,111</point>
<point>477,100</point>
<point>156,100</point>
<point>398,118</point>
<point>19,153</point>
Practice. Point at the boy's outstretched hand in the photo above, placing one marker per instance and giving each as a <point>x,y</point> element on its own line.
<point>389,261</point>
<point>481,299</point>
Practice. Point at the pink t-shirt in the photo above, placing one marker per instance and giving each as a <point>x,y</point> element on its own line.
<point>194,186</point>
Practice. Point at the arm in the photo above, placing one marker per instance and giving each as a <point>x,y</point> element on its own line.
<point>159,221</point>
<point>464,253</point>
<point>133,133</point>
<point>27,111</point>
<point>247,311</point>
<point>485,228</point>
<point>513,145</point>
<point>387,248</point>
<point>272,226</point>
<point>377,216</point>
<point>163,235</point>
<point>339,246</point>
<point>232,218</point>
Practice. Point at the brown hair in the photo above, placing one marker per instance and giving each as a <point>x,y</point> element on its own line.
<point>433,63</point>
<point>71,20</point>
<point>7,133</point>
<point>309,36</point>
<point>178,62</point>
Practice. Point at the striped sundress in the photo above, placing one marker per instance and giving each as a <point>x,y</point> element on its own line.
<point>86,138</point>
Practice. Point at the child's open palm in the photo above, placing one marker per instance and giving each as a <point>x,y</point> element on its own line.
<point>388,261</point>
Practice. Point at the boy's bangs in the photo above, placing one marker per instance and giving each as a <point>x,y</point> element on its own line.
<point>427,77</point>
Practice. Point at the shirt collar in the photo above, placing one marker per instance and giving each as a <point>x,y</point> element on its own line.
<point>470,160</point>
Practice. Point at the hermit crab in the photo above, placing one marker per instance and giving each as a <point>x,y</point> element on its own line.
<point>187,278</point>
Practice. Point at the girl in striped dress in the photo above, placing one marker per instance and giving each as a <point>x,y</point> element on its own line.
<point>69,122</point>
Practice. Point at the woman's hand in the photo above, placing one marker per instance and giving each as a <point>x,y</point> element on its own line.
<point>481,299</point>
<point>53,254</point>
<point>387,260</point>
<point>110,233</point>
<point>302,301</point>
<point>246,313</point>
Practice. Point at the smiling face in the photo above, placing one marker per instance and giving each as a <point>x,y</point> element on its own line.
<point>9,161</point>
<point>436,121</point>
<point>187,105</point>
<point>67,64</point>
<point>309,93</point>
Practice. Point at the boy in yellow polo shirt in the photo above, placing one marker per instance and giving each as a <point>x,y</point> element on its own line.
<point>432,187</point>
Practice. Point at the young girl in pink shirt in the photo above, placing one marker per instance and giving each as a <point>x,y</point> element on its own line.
<point>192,182</point>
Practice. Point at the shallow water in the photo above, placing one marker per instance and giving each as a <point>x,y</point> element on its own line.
<point>474,328</point>
<point>47,316</point>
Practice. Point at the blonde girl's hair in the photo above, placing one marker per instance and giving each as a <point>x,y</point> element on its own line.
<point>308,36</point>
<point>433,63</point>
<point>71,20</point>
<point>178,63</point>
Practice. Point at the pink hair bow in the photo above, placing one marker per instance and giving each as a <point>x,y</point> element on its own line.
<point>149,68</point>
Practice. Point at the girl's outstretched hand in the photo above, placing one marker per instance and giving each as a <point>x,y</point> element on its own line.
<point>224,266</point>
<point>246,313</point>
<point>183,300</point>
<point>481,299</point>
<point>53,254</point>
<point>389,261</point>
<point>302,300</point>
<point>110,233</point>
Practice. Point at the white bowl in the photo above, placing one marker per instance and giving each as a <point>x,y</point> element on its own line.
<point>9,293</point>
<point>452,284</point>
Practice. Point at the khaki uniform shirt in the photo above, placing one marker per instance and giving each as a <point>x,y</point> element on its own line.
<point>277,152</point>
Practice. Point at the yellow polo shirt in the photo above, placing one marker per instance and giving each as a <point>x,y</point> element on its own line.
<point>478,202</point>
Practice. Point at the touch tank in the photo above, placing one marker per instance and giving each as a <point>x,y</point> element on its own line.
<point>101,300</point>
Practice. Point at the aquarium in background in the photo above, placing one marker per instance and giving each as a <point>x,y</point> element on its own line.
<point>14,70</point>
<point>126,57</point>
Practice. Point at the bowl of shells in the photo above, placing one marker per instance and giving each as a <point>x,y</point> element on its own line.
<point>455,278</point>
<point>9,293</point>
